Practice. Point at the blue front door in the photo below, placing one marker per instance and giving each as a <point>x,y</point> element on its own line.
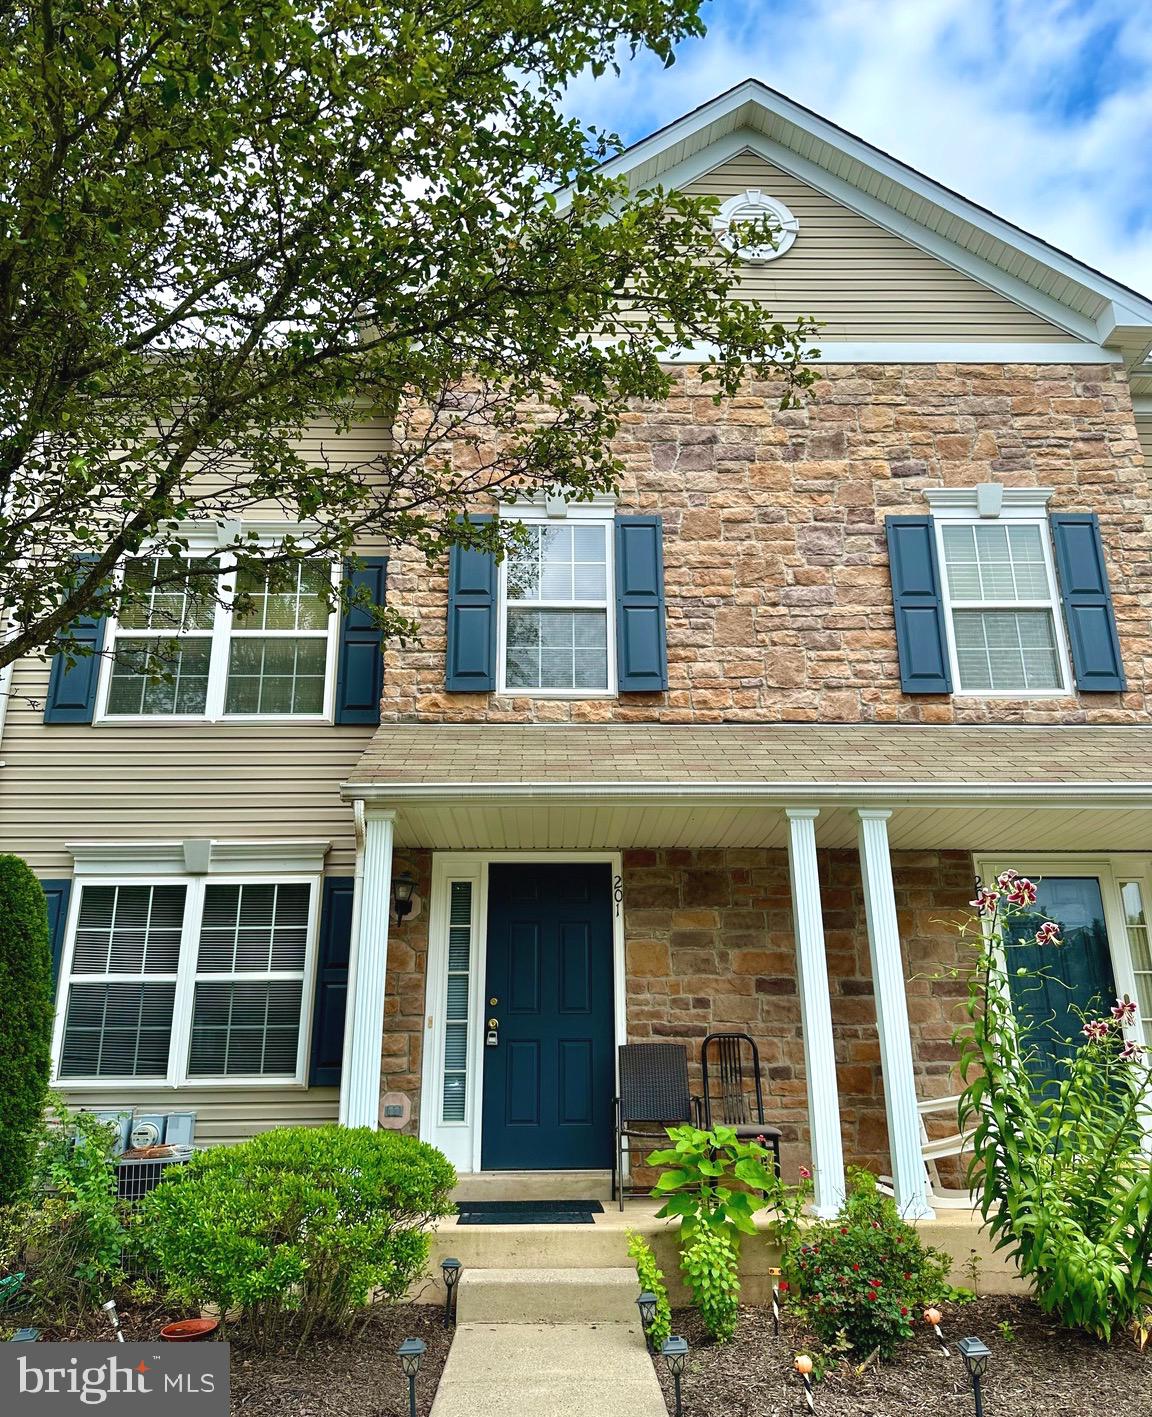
<point>1060,982</point>
<point>548,1075</point>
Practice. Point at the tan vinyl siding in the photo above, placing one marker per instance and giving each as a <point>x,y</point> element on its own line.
<point>863,282</point>
<point>223,1114</point>
<point>1144,432</point>
<point>149,782</point>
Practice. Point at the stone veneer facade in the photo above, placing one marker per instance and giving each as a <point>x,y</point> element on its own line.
<point>779,609</point>
<point>776,570</point>
<point>709,945</point>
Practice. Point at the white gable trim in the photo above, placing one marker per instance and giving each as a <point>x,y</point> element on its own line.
<point>885,217</point>
<point>928,352</point>
<point>1111,311</point>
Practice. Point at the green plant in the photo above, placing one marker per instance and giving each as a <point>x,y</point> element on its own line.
<point>1059,1163</point>
<point>711,1263</point>
<point>68,1236</point>
<point>712,1180</point>
<point>1006,1331</point>
<point>651,1278</point>
<point>860,1278</point>
<point>25,1019</point>
<point>297,1229</point>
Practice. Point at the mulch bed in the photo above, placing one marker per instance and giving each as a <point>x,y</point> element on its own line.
<point>1038,1369</point>
<point>357,1376</point>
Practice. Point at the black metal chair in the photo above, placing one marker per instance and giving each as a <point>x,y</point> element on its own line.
<point>654,1095</point>
<point>733,1094</point>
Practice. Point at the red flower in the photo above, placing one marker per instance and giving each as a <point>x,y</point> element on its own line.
<point>855,1266</point>
<point>1023,892</point>
<point>903,1313</point>
<point>872,1296</point>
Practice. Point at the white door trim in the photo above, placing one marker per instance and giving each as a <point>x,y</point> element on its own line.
<point>1109,870</point>
<point>461,1141</point>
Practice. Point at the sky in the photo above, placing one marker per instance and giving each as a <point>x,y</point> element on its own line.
<point>1040,110</point>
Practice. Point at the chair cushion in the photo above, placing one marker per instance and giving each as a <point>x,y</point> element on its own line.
<point>752,1130</point>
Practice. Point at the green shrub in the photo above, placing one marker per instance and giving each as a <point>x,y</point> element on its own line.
<point>861,1279</point>
<point>1060,1166</point>
<point>298,1228</point>
<point>651,1278</point>
<point>711,1265</point>
<point>25,1019</point>
<point>68,1234</point>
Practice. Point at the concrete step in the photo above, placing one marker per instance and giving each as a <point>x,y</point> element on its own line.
<point>517,1296</point>
<point>534,1186</point>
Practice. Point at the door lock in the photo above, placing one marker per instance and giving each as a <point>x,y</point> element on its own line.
<point>493,1032</point>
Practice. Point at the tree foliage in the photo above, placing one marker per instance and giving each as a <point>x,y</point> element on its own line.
<point>223,223</point>
<point>25,1019</point>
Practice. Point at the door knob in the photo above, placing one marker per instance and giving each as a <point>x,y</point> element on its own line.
<point>493,1033</point>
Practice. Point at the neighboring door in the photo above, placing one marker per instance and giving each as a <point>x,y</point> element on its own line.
<point>549,1076</point>
<point>1076,975</point>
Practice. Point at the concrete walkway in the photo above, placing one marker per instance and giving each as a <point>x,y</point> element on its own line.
<point>548,1370</point>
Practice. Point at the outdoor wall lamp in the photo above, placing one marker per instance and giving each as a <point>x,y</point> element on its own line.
<point>675,1354</point>
<point>405,902</point>
<point>450,1272</point>
<point>646,1303</point>
<point>976,1358</point>
<point>410,1352</point>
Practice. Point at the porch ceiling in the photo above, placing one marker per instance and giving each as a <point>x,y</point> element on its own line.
<point>609,787</point>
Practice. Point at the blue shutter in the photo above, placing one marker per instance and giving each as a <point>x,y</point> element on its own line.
<point>360,669</point>
<point>72,688</point>
<point>641,644</point>
<point>1088,611</point>
<point>470,665</point>
<point>921,638</point>
<point>56,893</point>
<point>333,950</point>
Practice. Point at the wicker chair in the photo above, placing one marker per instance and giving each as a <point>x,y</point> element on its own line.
<point>733,1093</point>
<point>654,1094</point>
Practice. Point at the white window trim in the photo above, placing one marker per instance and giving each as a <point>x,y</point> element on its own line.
<point>1020,506</point>
<point>201,542</point>
<point>536,513</point>
<point>1110,871</point>
<point>186,977</point>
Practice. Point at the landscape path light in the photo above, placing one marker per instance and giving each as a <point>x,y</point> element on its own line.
<point>646,1303</point>
<point>675,1354</point>
<point>410,1352</point>
<point>976,1357</point>
<point>450,1271</point>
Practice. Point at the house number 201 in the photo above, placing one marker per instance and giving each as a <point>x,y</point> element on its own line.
<point>618,893</point>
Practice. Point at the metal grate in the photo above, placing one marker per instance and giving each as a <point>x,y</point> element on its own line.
<point>135,1178</point>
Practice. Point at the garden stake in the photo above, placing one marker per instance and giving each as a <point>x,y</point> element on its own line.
<point>775,1273</point>
<point>932,1316</point>
<point>803,1366</point>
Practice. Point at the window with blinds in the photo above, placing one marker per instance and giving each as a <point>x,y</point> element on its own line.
<point>1136,923</point>
<point>235,954</point>
<point>122,982</point>
<point>454,1100</point>
<point>1002,599</point>
<point>249,981</point>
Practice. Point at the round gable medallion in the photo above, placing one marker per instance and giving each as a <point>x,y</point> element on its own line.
<point>751,207</point>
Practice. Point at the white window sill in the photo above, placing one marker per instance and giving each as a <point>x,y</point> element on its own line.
<point>1023,695</point>
<point>194,720</point>
<point>571,694</point>
<point>166,1084</point>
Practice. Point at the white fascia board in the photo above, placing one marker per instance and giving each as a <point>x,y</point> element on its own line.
<point>1004,794</point>
<point>886,217</point>
<point>927,352</point>
<point>751,91</point>
<point>167,858</point>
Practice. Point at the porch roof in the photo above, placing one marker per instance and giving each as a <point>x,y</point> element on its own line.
<point>613,786</point>
<point>744,757</point>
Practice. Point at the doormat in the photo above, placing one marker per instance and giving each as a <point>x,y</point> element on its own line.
<point>527,1212</point>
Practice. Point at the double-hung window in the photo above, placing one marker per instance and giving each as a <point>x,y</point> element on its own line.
<point>248,643</point>
<point>195,980</point>
<point>1005,629</point>
<point>556,630</point>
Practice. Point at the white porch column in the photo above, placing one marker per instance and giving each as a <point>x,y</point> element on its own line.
<point>908,1174</point>
<point>816,1013</point>
<point>367,975</point>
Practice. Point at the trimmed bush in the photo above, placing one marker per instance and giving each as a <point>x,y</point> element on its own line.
<point>294,1231</point>
<point>25,1020</point>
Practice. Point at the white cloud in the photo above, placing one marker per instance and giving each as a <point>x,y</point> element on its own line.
<point>1038,109</point>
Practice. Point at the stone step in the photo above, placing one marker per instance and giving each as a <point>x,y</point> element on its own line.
<point>518,1296</point>
<point>534,1186</point>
